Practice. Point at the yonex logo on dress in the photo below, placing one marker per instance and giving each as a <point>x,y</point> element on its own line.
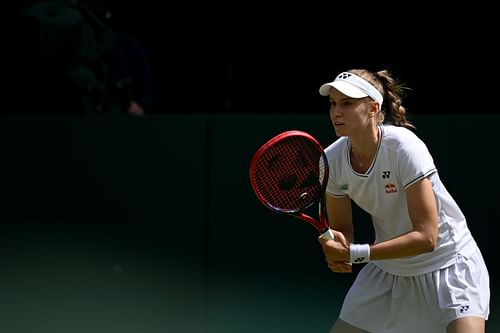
<point>464,308</point>
<point>359,259</point>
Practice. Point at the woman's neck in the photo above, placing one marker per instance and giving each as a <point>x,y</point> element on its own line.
<point>363,149</point>
<point>366,144</point>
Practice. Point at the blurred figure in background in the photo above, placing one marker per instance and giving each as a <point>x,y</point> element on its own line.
<point>64,58</point>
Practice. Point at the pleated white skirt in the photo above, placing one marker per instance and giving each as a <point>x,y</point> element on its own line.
<point>384,303</point>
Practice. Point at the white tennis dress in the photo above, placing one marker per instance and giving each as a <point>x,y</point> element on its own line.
<point>420,293</point>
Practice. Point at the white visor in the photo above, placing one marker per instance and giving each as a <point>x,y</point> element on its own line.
<point>353,86</point>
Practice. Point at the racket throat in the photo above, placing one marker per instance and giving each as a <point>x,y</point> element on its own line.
<point>325,231</point>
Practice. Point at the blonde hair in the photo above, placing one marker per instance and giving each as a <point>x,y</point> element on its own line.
<point>393,91</point>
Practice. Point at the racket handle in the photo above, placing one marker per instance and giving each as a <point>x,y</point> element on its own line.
<point>328,235</point>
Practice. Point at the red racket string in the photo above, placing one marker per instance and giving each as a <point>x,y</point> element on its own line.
<point>290,175</point>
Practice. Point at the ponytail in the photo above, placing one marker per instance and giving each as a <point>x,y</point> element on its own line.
<point>392,112</point>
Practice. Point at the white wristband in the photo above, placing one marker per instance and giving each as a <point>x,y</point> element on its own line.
<point>360,253</point>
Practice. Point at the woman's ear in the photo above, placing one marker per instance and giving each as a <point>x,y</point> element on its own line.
<point>374,109</point>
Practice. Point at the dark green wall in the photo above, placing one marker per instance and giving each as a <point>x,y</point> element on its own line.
<point>149,224</point>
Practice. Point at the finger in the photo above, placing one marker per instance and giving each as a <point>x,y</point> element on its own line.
<point>340,267</point>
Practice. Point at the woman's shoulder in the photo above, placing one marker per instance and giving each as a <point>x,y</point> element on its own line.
<point>336,146</point>
<point>399,137</point>
<point>404,143</point>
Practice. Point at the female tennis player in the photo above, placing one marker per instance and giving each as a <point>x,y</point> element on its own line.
<point>424,272</point>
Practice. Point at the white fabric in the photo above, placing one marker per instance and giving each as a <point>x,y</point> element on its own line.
<point>380,302</point>
<point>401,160</point>
<point>360,253</point>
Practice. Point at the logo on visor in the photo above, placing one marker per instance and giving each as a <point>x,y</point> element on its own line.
<point>344,75</point>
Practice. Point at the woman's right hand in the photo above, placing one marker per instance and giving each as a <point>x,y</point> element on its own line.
<point>339,266</point>
<point>337,253</point>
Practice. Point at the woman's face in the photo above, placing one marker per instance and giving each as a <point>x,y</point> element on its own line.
<point>351,116</point>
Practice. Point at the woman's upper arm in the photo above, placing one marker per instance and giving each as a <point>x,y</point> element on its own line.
<point>339,211</point>
<point>423,209</point>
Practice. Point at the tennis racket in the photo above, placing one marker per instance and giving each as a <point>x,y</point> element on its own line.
<point>289,174</point>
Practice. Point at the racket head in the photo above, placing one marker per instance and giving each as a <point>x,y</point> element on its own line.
<point>289,172</point>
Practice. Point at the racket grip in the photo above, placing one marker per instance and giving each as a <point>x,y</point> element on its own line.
<point>328,235</point>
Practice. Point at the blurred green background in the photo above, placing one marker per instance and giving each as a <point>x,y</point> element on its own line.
<point>149,224</point>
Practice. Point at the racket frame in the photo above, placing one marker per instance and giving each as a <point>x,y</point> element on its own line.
<point>321,225</point>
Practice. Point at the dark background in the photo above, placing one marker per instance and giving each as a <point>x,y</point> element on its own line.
<point>112,223</point>
<point>271,56</point>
